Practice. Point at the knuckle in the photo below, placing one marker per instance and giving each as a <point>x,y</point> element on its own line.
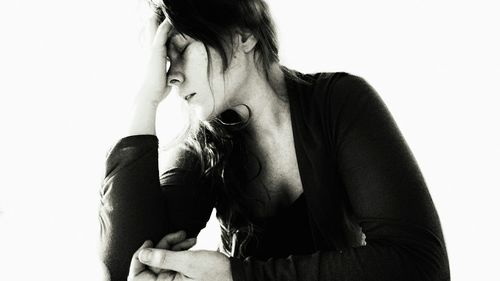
<point>189,255</point>
<point>164,27</point>
<point>163,259</point>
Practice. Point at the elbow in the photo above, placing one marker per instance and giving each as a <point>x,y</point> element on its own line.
<point>414,255</point>
<point>437,268</point>
<point>431,262</point>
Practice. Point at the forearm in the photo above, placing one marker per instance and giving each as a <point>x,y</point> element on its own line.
<point>131,209</point>
<point>135,207</point>
<point>414,253</point>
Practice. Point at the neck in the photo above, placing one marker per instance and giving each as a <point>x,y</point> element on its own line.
<point>269,110</point>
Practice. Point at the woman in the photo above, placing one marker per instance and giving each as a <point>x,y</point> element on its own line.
<point>309,174</point>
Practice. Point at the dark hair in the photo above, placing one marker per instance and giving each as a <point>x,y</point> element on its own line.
<point>220,143</point>
<point>213,22</point>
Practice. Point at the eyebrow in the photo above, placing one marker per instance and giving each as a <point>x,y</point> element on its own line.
<point>174,34</point>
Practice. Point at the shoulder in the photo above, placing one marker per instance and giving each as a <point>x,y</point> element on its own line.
<point>320,87</point>
<point>341,91</point>
<point>338,98</point>
<point>340,84</point>
<point>332,92</point>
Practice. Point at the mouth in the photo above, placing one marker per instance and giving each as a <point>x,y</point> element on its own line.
<point>188,97</point>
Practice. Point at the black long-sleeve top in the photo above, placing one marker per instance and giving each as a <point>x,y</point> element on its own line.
<point>359,177</point>
<point>285,233</point>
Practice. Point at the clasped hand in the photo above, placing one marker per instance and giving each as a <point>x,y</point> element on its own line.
<point>171,260</point>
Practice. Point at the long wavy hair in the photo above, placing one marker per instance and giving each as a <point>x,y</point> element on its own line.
<point>220,143</point>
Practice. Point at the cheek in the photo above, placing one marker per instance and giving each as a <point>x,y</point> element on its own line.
<point>196,63</point>
<point>209,86</point>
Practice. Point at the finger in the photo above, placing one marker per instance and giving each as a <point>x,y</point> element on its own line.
<point>136,266</point>
<point>184,245</point>
<point>162,34</point>
<point>166,276</point>
<point>167,241</point>
<point>165,259</point>
<point>164,10</point>
<point>150,30</point>
<point>170,239</point>
<point>152,16</point>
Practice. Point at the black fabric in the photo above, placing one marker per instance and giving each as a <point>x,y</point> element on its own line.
<point>286,233</point>
<point>138,205</point>
<point>359,178</point>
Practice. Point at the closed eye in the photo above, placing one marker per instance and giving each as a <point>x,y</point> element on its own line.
<point>184,49</point>
<point>177,48</point>
<point>176,42</point>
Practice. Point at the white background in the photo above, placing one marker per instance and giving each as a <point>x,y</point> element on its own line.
<point>69,69</point>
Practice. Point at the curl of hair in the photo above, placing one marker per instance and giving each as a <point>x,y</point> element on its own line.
<point>220,145</point>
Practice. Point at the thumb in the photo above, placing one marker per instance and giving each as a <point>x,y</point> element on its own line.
<point>136,266</point>
<point>170,260</point>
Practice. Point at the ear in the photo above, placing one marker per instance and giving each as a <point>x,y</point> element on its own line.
<point>245,40</point>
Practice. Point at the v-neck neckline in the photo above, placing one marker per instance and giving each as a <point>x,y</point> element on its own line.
<point>291,88</point>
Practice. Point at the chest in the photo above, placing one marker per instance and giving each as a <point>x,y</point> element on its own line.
<point>279,183</point>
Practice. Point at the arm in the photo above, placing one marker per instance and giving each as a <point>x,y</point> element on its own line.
<point>134,207</point>
<point>388,195</point>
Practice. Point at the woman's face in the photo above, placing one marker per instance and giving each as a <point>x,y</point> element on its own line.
<point>206,92</point>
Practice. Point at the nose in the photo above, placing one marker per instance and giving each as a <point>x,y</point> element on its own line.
<point>175,78</point>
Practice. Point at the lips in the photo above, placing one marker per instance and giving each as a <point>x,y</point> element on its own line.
<point>188,97</point>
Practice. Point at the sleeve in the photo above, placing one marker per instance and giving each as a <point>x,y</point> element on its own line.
<point>388,195</point>
<point>135,207</point>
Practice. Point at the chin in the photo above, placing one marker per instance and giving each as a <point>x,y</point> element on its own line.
<point>200,114</point>
<point>203,112</point>
<point>202,108</point>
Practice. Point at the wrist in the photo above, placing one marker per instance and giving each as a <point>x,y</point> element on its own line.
<point>144,101</point>
<point>143,117</point>
<point>151,95</point>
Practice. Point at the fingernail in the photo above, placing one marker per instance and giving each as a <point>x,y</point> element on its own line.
<point>145,255</point>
